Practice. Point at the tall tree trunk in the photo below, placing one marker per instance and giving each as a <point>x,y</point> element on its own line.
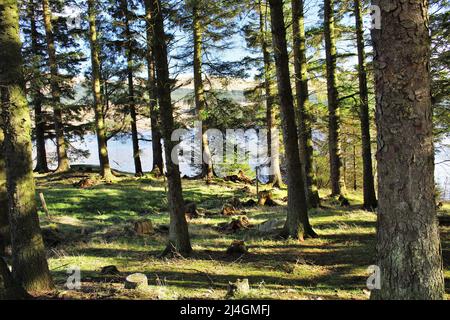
<point>5,238</point>
<point>152,93</point>
<point>37,96</point>
<point>199,91</point>
<point>178,231</point>
<point>370,200</point>
<point>9,288</point>
<point>297,223</point>
<point>131,99</point>
<point>355,183</point>
<point>275,174</point>
<point>408,245</point>
<point>334,143</point>
<point>63,160</point>
<point>105,167</point>
<point>302,97</point>
<point>29,261</point>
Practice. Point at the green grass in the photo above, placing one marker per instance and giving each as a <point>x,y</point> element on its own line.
<point>96,222</point>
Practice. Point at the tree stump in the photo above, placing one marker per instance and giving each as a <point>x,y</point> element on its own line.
<point>343,201</point>
<point>240,287</point>
<point>85,183</point>
<point>190,210</point>
<point>264,198</point>
<point>228,210</point>
<point>136,281</point>
<point>235,225</point>
<point>237,247</point>
<point>243,178</point>
<point>144,227</point>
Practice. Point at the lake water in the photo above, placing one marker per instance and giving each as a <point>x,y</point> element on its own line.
<point>121,150</point>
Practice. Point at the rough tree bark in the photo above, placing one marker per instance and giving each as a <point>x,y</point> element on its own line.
<point>408,245</point>
<point>199,91</point>
<point>63,159</point>
<point>334,144</point>
<point>297,223</point>
<point>5,238</point>
<point>37,97</point>
<point>275,176</point>
<point>178,231</point>
<point>29,261</point>
<point>153,94</point>
<point>9,288</point>
<point>105,168</point>
<point>131,98</point>
<point>370,200</point>
<point>302,97</point>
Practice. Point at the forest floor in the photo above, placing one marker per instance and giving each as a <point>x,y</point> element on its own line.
<point>93,227</point>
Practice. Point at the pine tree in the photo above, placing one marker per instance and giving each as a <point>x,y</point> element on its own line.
<point>4,221</point>
<point>275,175</point>
<point>297,224</point>
<point>209,28</point>
<point>303,104</point>
<point>36,81</point>
<point>178,232</point>
<point>96,91</point>
<point>29,261</point>
<point>129,45</point>
<point>408,245</point>
<point>152,92</point>
<point>334,143</point>
<point>61,143</point>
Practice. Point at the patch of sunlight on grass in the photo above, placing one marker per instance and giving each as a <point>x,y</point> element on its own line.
<point>95,226</point>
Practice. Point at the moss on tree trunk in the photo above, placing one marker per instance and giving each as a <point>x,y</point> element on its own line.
<point>5,238</point>
<point>105,167</point>
<point>29,260</point>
